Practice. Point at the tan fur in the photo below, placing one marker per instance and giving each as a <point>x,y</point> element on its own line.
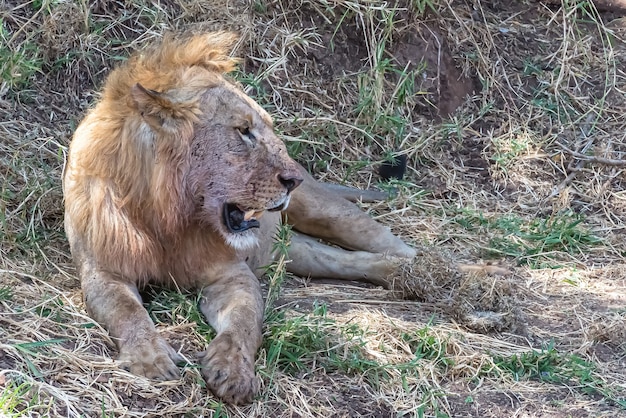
<point>150,171</point>
<point>112,162</point>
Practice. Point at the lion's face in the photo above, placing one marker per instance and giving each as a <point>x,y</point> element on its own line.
<point>239,168</point>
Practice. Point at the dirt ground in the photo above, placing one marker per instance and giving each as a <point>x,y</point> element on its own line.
<point>512,118</point>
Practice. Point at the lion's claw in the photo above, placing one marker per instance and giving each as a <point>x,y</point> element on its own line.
<point>154,359</point>
<point>229,370</point>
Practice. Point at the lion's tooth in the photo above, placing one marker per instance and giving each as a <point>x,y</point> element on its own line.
<point>248,215</point>
<point>258,214</point>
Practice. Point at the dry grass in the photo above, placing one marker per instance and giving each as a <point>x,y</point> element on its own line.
<point>525,178</point>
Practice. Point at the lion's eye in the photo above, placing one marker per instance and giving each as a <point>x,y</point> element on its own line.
<point>247,136</point>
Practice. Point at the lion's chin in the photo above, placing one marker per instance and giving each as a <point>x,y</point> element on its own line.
<point>242,241</point>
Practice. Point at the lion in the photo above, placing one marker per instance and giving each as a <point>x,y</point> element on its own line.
<point>176,178</point>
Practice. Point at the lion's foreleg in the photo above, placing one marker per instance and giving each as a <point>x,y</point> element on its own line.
<point>117,306</point>
<point>233,305</point>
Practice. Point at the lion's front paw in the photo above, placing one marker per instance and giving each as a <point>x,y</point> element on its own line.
<point>228,369</point>
<point>153,358</point>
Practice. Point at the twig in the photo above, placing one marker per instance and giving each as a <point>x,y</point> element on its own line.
<point>592,159</point>
<point>573,171</point>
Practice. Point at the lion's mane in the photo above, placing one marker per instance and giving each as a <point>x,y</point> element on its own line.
<point>126,208</point>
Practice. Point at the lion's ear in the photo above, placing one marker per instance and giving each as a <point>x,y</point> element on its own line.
<point>153,106</point>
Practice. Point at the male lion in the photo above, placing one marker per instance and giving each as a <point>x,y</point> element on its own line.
<point>166,181</point>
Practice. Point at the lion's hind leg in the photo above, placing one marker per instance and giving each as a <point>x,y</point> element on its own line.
<point>323,211</point>
<point>117,306</point>
<point>354,195</point>
<point>311,258</point>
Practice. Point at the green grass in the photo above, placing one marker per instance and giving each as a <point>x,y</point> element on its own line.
<point>294,344</point>
<point>421,6</point>
<point>174,307</point>
<point>536,242</point>
<point>425,345</point>
<point>385,94</point>
<point>254,87</point>
<point>32,350</point>
<point>50,309</point>
<point>6,293</point>
<point>13,399</point>
<point>19,62</point>
<point>276,272</point>
<point>29,193</point>
<point>508,150</point>
<point>549,365</point>
<point>378,112</point>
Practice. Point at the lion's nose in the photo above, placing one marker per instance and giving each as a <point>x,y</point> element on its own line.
<point>290,180</point>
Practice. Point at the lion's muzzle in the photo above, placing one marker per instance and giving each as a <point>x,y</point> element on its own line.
<point>240,217</point>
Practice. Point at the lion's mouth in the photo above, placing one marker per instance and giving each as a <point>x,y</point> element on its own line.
<point>238,220</point>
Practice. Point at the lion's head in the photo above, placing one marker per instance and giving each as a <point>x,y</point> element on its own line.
<point>239,168</point>
<point>174,144</point>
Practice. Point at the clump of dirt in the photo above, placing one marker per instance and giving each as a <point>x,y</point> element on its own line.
<point>425,46</point>
<point>339,53</point>
<point>61,30</point>
<point>482,298</point>
<point>609,329</point>
<point>485,303</point>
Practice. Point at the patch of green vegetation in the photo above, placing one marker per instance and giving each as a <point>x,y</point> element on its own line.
<point>6,293</point>
<point>276,272</point>
<point>18,62</point>
<point>13,399</point>
<point>219,410</point>
<point>424,345</point>
<point>532,67</point>
<point>294,344</point>
<point>420,6</point>
<point>557,106</point>
<point>387,92</point>
<point>453,128</point>
<point>540,236</point>
<point>29,217</point>
<point>470,219</point>
<point>31,350</point>
<point>548,365</point>
<point>259,7</point>
<point>175,307</point>
<point>50,310</point>
<point>383,114</point>
<point>253,86</point>
<point>530,240</point>
<point>507,150</point>
<point>413,193</point>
